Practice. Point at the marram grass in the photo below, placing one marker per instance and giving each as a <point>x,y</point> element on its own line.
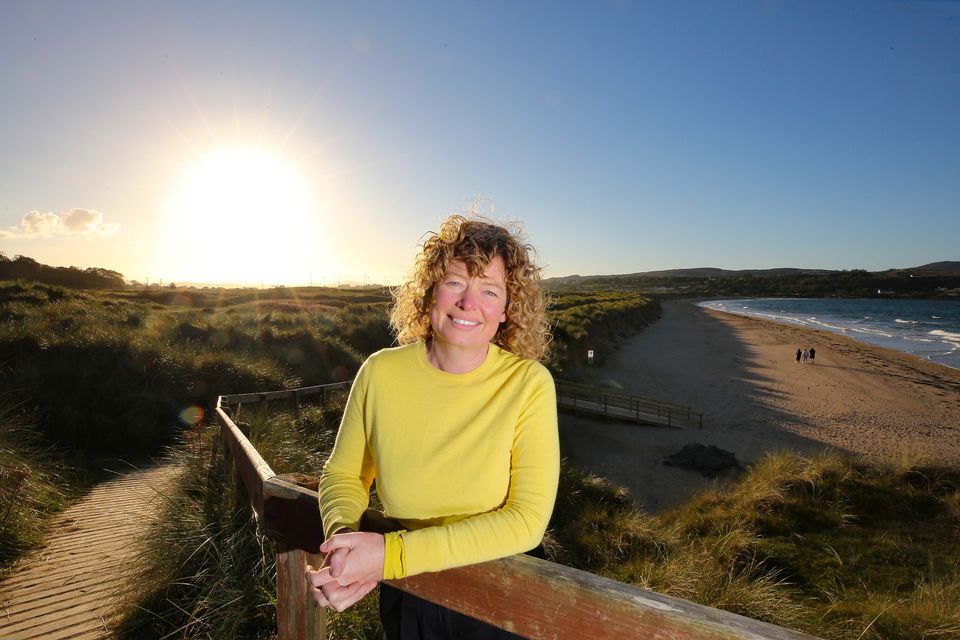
<point>791,542</point>
<point>33,484</point>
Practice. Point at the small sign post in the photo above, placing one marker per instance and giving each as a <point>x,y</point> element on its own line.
<point>589,356</point>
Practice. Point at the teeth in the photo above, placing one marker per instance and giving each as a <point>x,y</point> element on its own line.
<point>465,323</point>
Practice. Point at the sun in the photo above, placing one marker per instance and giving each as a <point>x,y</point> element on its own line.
<point>243,216</point>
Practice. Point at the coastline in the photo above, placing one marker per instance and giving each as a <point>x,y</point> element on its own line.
<point>741,372</point>
<point>927,329</point>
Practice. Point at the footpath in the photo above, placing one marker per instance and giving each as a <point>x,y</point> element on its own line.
<point>68,589</point>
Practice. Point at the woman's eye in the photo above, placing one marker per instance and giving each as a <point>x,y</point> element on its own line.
<point>491,292</point>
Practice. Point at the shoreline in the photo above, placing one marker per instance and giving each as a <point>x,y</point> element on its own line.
<point>740,371</point>
<point>878,335</point>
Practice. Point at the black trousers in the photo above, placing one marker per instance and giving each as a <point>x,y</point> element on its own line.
<point>407,617</point>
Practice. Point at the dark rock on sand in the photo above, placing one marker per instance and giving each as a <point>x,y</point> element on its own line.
<point>707,459</point>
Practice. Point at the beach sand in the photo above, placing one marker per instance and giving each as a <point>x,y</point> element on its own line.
<point>742,374</point>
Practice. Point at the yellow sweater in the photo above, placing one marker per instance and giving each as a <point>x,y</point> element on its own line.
<point>468,463</point>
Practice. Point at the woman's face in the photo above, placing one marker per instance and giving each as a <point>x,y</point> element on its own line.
<point>468,311</point>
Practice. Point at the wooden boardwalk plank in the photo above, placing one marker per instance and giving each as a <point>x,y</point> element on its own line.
<point>67,590</point>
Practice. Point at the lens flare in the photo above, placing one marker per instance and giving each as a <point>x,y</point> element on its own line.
<point>191,416</point>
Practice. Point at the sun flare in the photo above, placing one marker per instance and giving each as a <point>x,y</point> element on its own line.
<point>243,216</point>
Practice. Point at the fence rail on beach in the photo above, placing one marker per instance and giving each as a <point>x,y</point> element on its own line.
<point>527,596</point>
<point>625,406</point>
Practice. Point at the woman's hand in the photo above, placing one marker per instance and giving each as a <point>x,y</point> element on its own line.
<point>328,592</point>
<point>353,566</point>
<point>355,557</point>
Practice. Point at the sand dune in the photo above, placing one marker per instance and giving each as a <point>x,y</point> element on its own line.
<point>742,374</point>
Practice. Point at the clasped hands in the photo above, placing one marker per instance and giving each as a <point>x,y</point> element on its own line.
<point>352,567</point>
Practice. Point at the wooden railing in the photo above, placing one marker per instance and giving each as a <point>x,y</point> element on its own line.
<point>624,405</point>
<point>527,596</point>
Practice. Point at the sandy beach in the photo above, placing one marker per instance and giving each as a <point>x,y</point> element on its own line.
<point>742,374</point>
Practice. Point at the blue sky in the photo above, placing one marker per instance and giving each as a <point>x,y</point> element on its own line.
<point>628,136</point>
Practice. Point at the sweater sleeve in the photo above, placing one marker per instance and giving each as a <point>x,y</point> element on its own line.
<point>519,524</point>
<point>344,490</point>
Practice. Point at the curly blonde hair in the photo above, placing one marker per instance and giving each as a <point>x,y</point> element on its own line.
<point>476,242</point>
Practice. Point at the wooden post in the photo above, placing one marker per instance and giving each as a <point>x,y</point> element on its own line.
<point>298,615</point>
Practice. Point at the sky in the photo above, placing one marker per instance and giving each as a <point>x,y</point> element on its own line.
<point>317,142</point>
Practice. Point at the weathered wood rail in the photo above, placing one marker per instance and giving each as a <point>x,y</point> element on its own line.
<point>626,406</point>
<point>527,596</point>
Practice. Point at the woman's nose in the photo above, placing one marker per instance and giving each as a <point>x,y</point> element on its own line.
<point>468,300</point>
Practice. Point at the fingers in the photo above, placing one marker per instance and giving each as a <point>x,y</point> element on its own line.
<point>317,578</point>
<point>342,598</point>
<point>336,561</point>
<point>337,541</point>
<point>320,598</point>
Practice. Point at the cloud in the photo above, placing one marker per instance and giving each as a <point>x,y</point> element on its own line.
<point>75,222</point>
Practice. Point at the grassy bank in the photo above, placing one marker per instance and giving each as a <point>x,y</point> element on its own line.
<point>33,484</point>
<point>117,373</point>
<point>205,569</point>
<point>831,546</point>
<point>597,320</point>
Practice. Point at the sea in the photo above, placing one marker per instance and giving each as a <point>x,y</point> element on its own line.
<point>928,329</point>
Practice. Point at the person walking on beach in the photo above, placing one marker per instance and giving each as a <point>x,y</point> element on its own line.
<point>806,355</point>
<point>799,353</point>
<point>813,354</point>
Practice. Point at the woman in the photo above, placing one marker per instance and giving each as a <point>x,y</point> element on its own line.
<point>458,427</point>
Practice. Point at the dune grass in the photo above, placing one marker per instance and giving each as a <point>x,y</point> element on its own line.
<point>835,547</point>
<point>34,484</point>
<point>111,372</point>
<point>596,320</point>
<point>205,569</point>
<point>798,542</point>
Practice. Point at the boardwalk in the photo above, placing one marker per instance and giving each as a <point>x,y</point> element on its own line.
<point>625,406</point>
<point>66,589</point>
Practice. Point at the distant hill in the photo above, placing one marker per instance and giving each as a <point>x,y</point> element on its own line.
<point>934,280</point>
<point>946,267</point>
<point>934,268</point>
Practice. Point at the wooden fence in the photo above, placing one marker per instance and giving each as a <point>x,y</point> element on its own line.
<point>623,405</point>
<point>527,596</point>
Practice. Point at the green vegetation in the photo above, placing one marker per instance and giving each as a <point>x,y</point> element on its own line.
<point>598,320</point>
<point>837,548</point>
<point>834,547</point>
<point>205,570</point>
<point>109,373</point>
<point>33,484</point>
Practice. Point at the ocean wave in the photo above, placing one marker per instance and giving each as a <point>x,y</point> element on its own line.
<point>873,332</point>
<point>946,336</point>
<point>828,326</point>
<point>899,321</point>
